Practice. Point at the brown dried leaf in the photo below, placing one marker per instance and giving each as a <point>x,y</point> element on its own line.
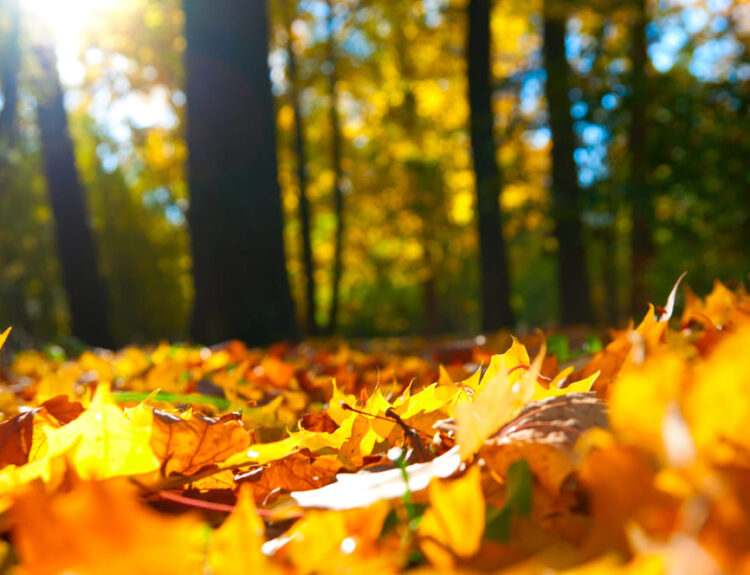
<point>321,422</point>
<point>295,472</point>
<point>188,445</point>
<point>16,434</point>
<point>544,434</point>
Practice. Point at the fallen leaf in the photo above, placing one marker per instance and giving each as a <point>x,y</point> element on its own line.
<point>454,523</point>
<point>500,398</point>
<point>189,442</point>
<point>295,472</point>
<point>23,433</point>
<point>102,442</point>
<point>235,547</point>
<point>344,541</point>
<point>101,528</point>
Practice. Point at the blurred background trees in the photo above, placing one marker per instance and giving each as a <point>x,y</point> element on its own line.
<point>605,145</point>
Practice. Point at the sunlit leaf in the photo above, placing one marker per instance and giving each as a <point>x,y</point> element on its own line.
<point>102,528</point>
<point>500,398</point>
<point>454,521</point>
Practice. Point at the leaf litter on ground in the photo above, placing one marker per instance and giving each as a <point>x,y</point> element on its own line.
<point>509,456</point>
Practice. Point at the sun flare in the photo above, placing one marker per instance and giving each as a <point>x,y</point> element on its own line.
<point>55,21</point>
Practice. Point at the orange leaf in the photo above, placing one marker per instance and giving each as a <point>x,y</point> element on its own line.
<point>188,444</point>
<point>101,528</point>
<point>295,472</point>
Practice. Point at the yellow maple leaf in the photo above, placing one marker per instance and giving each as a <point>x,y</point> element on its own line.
<point>102,442</point>
<point>556,391</point>
<point>501,396</point>
<point>455,519</point>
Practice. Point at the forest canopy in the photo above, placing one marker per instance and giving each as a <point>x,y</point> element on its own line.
<point>601,143</point>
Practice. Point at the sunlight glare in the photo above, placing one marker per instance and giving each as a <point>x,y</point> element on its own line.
<point>57,21</point>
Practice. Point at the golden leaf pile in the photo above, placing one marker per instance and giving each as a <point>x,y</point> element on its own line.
<point>303,459</point>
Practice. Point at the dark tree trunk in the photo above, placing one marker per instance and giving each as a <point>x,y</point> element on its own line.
<point>641,243</point>
<point>338,194</point>
<point>235,218</point>
<point>304,203</point>
<point>495,284</point>
<point>566,195</point>
<point>75,242</point>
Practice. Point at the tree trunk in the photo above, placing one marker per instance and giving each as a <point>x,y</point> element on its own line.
<point>641,243</point>
<point>495,285</point>
<point>338,194</point>
<point>235,218</point>
<point>304,203</point>
<point>573,280</point>
<point>75,242</point>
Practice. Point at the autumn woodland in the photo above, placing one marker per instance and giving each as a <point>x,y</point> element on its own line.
<point>374,286</point>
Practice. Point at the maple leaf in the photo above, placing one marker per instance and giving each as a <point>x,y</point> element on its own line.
<point>500,398</point>
<point>100,527</point>
<point>455,520</point>
<point>102,442</point>
<point>555,389</point>
<point>22,433</point>
<point>189,442</point>
<point>295,472</point>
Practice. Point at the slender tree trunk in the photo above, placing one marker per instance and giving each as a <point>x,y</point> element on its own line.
<point>235,218</point>
<point>338,194</point>
<point>304,203</point>
<point>75,242</point>
<point>566,195</point>
<point>495,285</point>
<point>641,243</point>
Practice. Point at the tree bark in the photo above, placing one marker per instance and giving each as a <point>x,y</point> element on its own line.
<point>566,195</point>
<point>495,284</point>
<point>641,242</point>
<point>304,203</point>
<point>75,243</point>
<point>235,217</point>
<point>338,194</point>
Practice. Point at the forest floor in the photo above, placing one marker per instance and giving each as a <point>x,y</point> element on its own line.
<point>544,454</point>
